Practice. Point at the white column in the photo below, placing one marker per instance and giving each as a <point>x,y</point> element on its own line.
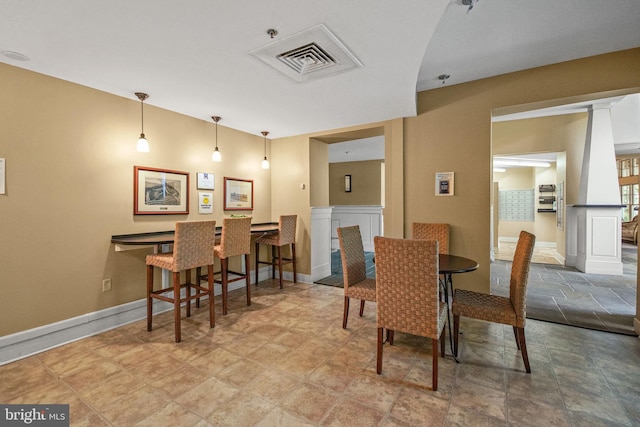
<point>598,213</point>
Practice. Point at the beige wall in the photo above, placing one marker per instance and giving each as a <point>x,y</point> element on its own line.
<point>70,153</point>
<point>70,156</point>
<point>452,133</point>
<point>365,183</point>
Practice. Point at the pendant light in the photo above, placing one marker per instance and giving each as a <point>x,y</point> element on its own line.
<point>216,156</point>
<point>143,145</point>
<point>265,162</point>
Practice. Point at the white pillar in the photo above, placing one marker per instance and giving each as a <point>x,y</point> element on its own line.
<point>598,213</point>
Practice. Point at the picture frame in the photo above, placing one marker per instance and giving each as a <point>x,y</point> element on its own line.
<point>347,183</point>
<point>160,191</point>
<point>444,184</point>
<point>238,194</point>
<point>206,181</point>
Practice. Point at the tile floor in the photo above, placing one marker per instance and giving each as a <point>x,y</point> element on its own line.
<point>286,361</point>
<point>560,294</point>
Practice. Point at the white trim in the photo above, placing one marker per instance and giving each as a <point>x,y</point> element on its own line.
<point>27,343</point>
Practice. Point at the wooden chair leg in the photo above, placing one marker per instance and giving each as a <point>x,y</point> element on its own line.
<point>442,341</point>
<point>293,258</point>
<point>247,278</point>
<point>198,280</point>
<point>379,352</point>
<point>434,363</point>
<point>279,249</point>
<point>149,299</point>
<point>390,336</point>
<point>456,330</point>
<point>257,261</point>
<point>515,334</point>
<point>345,316</point>
<point>212,311</point>
<point>176,304</point>
<point>225,283</point>
<point>361,307</point>
<point>273,262</point>
<point>187,281</point>
<point>523,349</point>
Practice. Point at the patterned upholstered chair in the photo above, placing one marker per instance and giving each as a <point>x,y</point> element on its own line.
<point>354,271</point>
<point>440,233</point>
<point>192,248</point>
<point>494,308</point>
<point>407,294</point>
<point>285,236</point>
<point>235,241</point>
<point>427,231</point>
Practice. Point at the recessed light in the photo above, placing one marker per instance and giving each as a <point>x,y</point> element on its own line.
<point>15,55</point>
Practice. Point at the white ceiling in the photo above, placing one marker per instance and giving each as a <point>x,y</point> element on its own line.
<point>193,57</point>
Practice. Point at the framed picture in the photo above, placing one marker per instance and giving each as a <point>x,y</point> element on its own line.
<point>347,183</point>
<point>206,181</point>
<point>238,194</point>
<point>444,184</point>
<point>160,191</point>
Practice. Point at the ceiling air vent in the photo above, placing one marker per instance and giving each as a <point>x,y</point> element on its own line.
<point>311,53</point>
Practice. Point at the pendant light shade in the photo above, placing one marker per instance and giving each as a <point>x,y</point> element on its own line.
<point>143,144</point>
<point>265,162</point>
<point>216,156</point>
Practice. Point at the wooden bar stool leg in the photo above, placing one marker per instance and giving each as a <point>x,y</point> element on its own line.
<point>212,312</point>
<point>273,262</point>
<point>187,281</point>
<point>248,278</point>
<point>257,262</point>
<point>149,299</point>
<point>176,304</point>
<point>225,276</point>
<point>198,276</point>
<point>279,265</point>
<point>293,258</point>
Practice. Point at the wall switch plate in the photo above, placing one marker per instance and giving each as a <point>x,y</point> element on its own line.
<point>106,285</point>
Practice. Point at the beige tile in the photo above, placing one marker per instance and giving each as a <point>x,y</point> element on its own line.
<point>309,401</point>
<point>459,416</point>
<point>242,410</point>
<point>350,413</point>
<point>203,398</point>
<point>171,415</point>
<point>241,372</point>
<point>273,385</point>
<point>484,400</point>
<point>135,406</point>
<point>177,382</point>
<point>113,388</point>
<point>419,407</point>
<point>530,412</point>
<point>278,417</point>
<point>22,376</point>
<point>374,391</point>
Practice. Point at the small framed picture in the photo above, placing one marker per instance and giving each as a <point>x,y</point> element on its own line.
<point>347,183</point>
<point>238,194</point>
<point>160,191</point>
<point>444,184</point>
<point>206,181</point>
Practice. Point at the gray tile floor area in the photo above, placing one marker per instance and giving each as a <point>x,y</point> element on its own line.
<point>565,295</point>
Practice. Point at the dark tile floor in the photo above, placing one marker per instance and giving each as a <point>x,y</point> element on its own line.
<point>565,295</point>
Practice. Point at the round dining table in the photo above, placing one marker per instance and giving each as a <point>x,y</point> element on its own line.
<point>448,265</point>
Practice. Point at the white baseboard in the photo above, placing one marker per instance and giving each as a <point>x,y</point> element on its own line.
<point>27,343</point>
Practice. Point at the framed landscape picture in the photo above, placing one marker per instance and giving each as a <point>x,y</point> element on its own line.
<point>238,194</point>
<point>160,191</point>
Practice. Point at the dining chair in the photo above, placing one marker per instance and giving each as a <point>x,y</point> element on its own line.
<point>235,241</point>
<point>432,231</point>
<point>509,310</point>
<point>354,270</point>
<point>192,248</point>
<point>285,236</point>
<point>407,294</point>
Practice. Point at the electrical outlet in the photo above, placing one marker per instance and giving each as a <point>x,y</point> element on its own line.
<point>106,285</point>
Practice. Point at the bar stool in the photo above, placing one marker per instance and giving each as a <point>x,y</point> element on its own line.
<point>235,241</point>
<point>193,247</point>
<point>286,235</point>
